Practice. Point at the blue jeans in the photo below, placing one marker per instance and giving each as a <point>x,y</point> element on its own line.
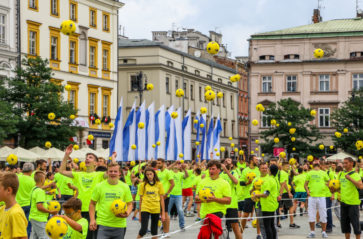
<point>329,224</point>
<point>26,210</point>
<point>178,201</point>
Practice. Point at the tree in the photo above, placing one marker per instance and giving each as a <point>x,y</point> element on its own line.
<point>34,95</point>
<point>289,114</point>
<point>8,120</point>
<point>350,117</point>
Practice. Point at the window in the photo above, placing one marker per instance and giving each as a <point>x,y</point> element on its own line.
<point>200,93</point>
<point>209,77</point>
<point>106,64</point>
<point>106,93</point>
<point>33,38</point>
<point>72,52</point>
<point>32,43</point>
<point>176,84</point>
<point>169,63</point>
<point>93,17</point>
<point>324,82</point>
<point>324,117</point>
<point>291,83</point>
<point>135,83</point>
<point>357,81</point>
<point>105,22</point>
<point>2,28</point>
<point>83,49</point>
<point>225,128</point>
<point>92,101</point>
<point>167,85</point>
<point>197,73</point>
<point>224,99</point>
<point>232,101</point>
<point>54,48</point>
<point>265,121</point>
<point>92,56</point>
<point>233,123</point>
<point>73,94</point>
<point>267,84</point>
<point>185,89</point>
<point>191,92</point>
<point>54,8</point>
<point>219,80</point>
<point>73,10</point>
<point>33,5</point>
<point>105,60</point>
<point>267,58</point>
<point>292,57</point>
<point>184,68</point>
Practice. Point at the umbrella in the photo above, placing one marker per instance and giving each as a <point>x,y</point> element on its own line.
<point>4,151</point>
<point>104,153</point>
<point>340,156</point>
<point>54,154</point>
<point>38,150</point>
<point>23,155</point>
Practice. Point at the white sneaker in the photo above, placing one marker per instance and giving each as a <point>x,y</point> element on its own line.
<point>311,235</point>
<point>324,235</point>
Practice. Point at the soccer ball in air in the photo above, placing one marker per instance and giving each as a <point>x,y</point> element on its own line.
<point>318,53</point>
<point>212,47</point>
<point>68,27</point>
<point>56,227</point>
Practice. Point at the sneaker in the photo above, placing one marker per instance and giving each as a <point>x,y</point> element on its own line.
<point>311,235</point>
<point>259,237</point>
<point>279,226</point>
<point>283,217</point>
<point>182,229</point>
<point>318,225</point>
<point>294,226</point>
<point>189,214</point>
<point>324,235</point>
<point>329,230</point>
<point>198,219</point>
<point>301,212</point>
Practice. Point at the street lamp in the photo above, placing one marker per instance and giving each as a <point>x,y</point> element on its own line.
<point>139,85</point>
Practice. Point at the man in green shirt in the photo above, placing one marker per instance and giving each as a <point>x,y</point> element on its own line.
<point>26,184</point>
<point>221,191</point>
<point>110,226</point>
<point>232,209</point>
<point>315,186</point>
<point>84,181</point>
<point>350,182</point>
<point>300,192</point>
<point>166,179</point>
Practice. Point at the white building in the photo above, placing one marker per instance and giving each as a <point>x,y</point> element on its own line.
<point>8,37</point>
<point>168,70</point>
<point>86,60</point>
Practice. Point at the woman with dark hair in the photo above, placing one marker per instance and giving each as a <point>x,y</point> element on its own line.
<point>151,193</point>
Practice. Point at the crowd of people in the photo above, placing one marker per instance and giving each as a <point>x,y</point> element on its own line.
<point>158,191</point>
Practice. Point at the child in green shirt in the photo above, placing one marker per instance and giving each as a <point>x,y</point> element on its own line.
<point>78,226</point>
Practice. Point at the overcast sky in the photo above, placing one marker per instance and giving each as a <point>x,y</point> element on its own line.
<point>235,19</point>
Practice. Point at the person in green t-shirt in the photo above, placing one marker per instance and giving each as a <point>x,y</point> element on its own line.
<point>187,191</point>
<point>85,182</point>
<point>230,175</point>
<point>350,182</point>
<point>38,212</point>
<point>220,192</point>
<point>77,225</point>
<point>300,194</point>
<point>166,179</point>
<point>109,224</point>
<point>315,186</point>
<point>62,184</point>
<point>26,184</point>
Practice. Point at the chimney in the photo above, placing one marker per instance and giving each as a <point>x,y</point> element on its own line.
<point>359,13</point>
<point>316,16</point>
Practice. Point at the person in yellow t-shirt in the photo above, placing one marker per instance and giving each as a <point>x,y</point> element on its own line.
<point>151,202</point>
<point>13,222</point>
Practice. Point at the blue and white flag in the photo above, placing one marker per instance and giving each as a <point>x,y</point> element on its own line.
<point>129,135</point>
<point>160,133</point>
<point>140,133</point>
<point>210,139</point>
<point>216,137</point>
<point>117,136</point>
<point>150,132</point>
<point>170,134</point>
<point>187,136</point>
<point>203,145</point>
<point>178,134</point>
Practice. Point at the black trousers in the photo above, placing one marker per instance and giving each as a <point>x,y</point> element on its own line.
<point>90,234</point>
<point>269,225</point>
<point>145,223</point>
<point>349,216</point>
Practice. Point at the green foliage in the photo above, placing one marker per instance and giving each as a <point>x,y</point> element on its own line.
<point>34,96</point>
<point>306,134</point>
<point>349,116</point>
<point>8,120</point>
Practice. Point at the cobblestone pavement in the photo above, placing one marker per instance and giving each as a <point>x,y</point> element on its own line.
<point>250,233</point>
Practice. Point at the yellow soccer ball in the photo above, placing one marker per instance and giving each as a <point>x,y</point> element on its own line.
<point>257,184</point>
<point>174,115</point>
<point>12,159</point>
<point>293,139</point>
<point>67,87</point>
<point>97,121</point>
<point>253,194</point>
<point>310,158</point>
<point>212,47</point>
<point>321,146</point>
<point>141,125</point>
<point>133,146</point>
<point>197,143</point>
<point>335,184</point>
<point>75,147</point>
<point>220,95</point>
<point>51,116</point>
<point>210,95</point>
<point>68,27</point>
<point>345,130</point>
<point>179,92</point>
<point>292,130</point>
<point>282,155</point>
<point>132,163</point>
<point>48,144</point>
<point>204,194</point>
<point>273,122</point>
<point>72,117</point>
<point>292,161</point>
<point>208,87</point>
<point>276,140</point>
<point>90,137</point>
<point>318,53</point>
<point>223,149</point>
<point>56,227</point>
<point>149,86</point>
<point>111,125</point>
<point>46,183</point>
<point>76,160</point>
<point>182,161</point>
<point>201,126</point>
<point>203,110</point>
<point>359,144</point>
<point>241,152</point>
<point>250,176</point>
<point>255,122</point>
<point>118,206</point>
<point>254,223</point>
<point>82,166</point>
<point>53,206</point>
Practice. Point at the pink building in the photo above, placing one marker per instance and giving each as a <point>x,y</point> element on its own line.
<point>282,65</point>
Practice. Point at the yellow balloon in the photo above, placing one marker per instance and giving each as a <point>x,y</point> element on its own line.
<point>331,147</point>
<point>230,138</point>
<point>292,130</point>
<point>288,123</point>
<point>68,27</point>
<point>273,122</point>
<point>179,93</point>
<point>241,152</point>
<point>197,143</point>
<point>293,139</point>
<point>158,143</point>
<point>141,125</point>
<point>252,152</point>
<point>153,145</point>
<point>181,155</point>
<point>310,158</point>
<point>97,121</point>
<point>282,154</point>
<point>235,150</point>
<point>201,125</point>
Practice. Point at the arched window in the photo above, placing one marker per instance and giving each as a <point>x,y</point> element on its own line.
<point>83,49</point>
